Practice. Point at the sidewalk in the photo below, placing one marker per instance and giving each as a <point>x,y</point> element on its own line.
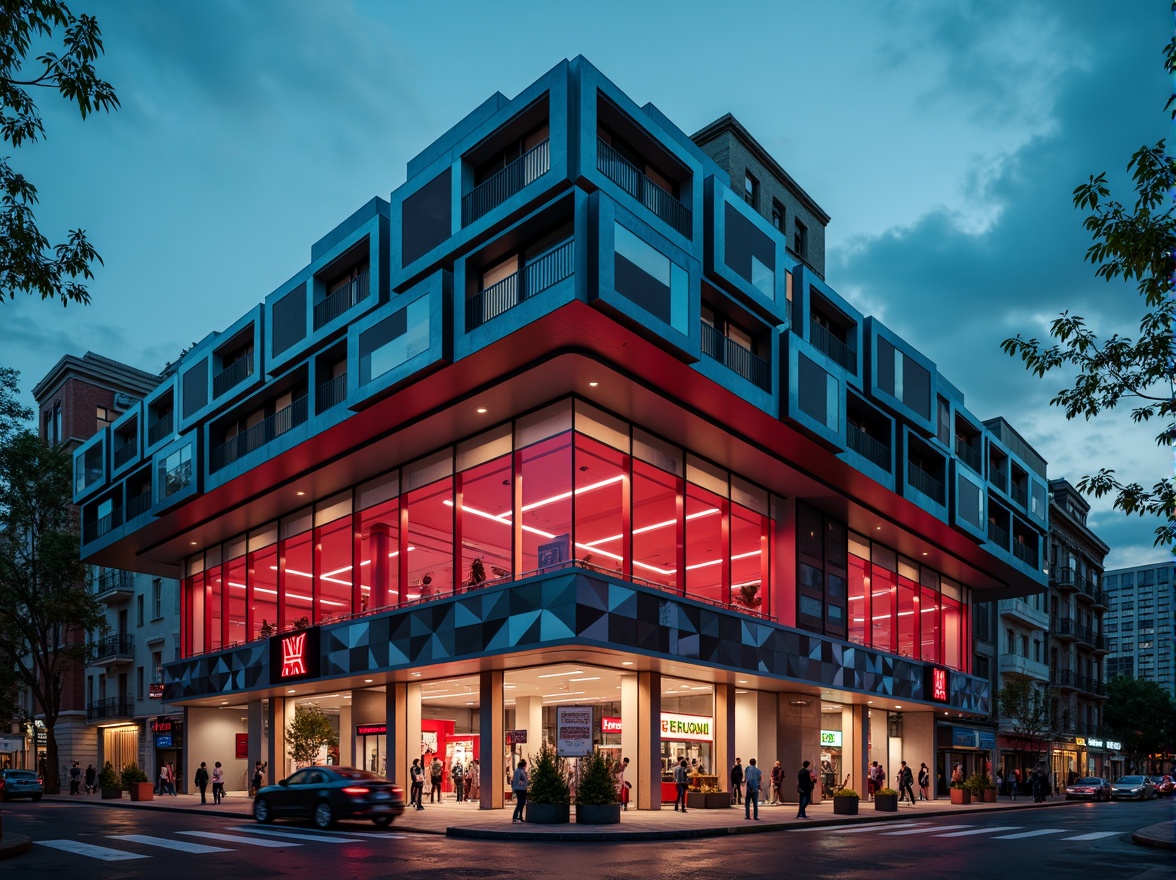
<point>467,820</point>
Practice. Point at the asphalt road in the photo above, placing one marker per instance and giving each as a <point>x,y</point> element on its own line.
<point>1079,840</point>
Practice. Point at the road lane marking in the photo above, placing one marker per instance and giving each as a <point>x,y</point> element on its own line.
<point>1094,835</point>
<point>980,831</point>
<point>1037,833</point>
<point>296,835</point>
<point>90,850</point>
<point>873,826</point>
<point>237,838</point>
<point>924,830</point>
<point>164,843</point>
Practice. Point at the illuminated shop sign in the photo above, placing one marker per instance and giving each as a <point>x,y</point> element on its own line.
<point>935,684</point>
<point>371,730</point>
<point>610,725</point>
<point>162,725</point>
<point>1092,742</point>
<point>155,690</point>
<point>831,739</point>
<point>687,728</point>
<point>294,655</point>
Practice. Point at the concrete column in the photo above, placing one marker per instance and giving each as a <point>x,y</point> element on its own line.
<point>347,738</point>
<point>764,750</point>
<point>255,724</point>
<point>381,595</point>
<point>399,755</point>
<point>856,760</point>
<point>647,778</point>
<point>529,717</point>
<point>276,747</point>
<point>629,716</point>
<point>798,738</point>
<point>725,751</point>
<point>491,734</point>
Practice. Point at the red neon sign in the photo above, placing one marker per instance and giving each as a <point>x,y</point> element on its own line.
<point>610,725</point>
<point>371,729</point>
<point>939,684</point>
<point>294,655</point>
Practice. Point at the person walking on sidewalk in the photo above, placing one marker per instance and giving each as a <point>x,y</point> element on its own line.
<point>75,779</point>
<point>681,780</point>
<point>417,776</point>
<point>805,780</point>
<point>737,783</point>
<point>754,778</point>
<point>91,775</point>
<point>924,782</point>
<point>518,785</point>
<point>218,783</point>
<point>201,781</point>
<point>436,772</point>
<point>777,780</point>
<point>906,780</point>
<point>457,774</point>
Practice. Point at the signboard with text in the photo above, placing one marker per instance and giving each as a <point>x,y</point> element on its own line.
<point>831,739</point>
<point>371,729</point>
<point>687,728</point>
<point>935,684</point>
<point>573,731</point>
<point>609,724</point>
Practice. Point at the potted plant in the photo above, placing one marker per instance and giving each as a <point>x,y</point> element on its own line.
<point>549,799</point>
<point>845,802</point>
<point>959,794</point>
<point>596,795</point>
<point>108,782</point>
<point>136,782</point>
<point>886,800</point>
<point>978,786</point>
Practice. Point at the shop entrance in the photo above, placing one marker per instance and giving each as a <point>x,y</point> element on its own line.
<point>373,747</point>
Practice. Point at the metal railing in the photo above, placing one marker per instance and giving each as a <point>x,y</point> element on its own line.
<point>549,269</point>
<point>235,372</point>
<point>260,434</point>
<point>114,582</point>
<point>352,293</point>
<point>126,451</point>
<point>998,536</point>
<point>924,482</point>
<point>736,357</point>
<point>159,429</point>
<point>119,645</point>
<point>331,393</point>
<point>114,707</point>
<point>970,456</point>
<point>1064,627</point>
<point>997,476</point>
<point>632,180</point>
<point>1026,553</point>
<point>495,190</point>
<point>863,444</point>
<point>1065,576</point>
<point>1020,495</point>
<point>138,504</point>
<point>832,347</point>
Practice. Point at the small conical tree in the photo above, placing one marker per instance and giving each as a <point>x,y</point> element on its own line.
<point>310,730</point>
<point>597,783</point>
<point>549,780</point>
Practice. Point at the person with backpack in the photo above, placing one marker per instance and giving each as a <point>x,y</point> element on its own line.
<point>201,781</point>
<point>906,783</point>
<point>924,783</point>
<point>777,779</point>
<point>416,775</point>
<point>436,774</point>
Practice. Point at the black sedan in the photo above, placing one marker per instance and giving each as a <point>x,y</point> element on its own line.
<point>21,783</point>
<point>327,794</point>
<point>1093,787</point>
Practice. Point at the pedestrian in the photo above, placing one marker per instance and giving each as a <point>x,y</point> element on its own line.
<point>777,779</point>
<point>258,780</point>
<point>201,781</point>
<point>870,778</point>
<point>737,783</point>
<point>518,785</point>
<point>906,783</point>
<point>681,779</point>
<point>75,779</point>
<point>218,783</point>
<point>879,778</point>
<point>999,779</point>
<point>170,778</point>
<point>91,775</point>
<point>753,777</point>
<point>1016,781</point>
<point>806,779</point>
<point>622,785</point>
<point>416,775</point>
<point>457,775</point>
<point>957,775</point>
<point>436,774</point>
<point>924,782</point>
<point>475,777</point>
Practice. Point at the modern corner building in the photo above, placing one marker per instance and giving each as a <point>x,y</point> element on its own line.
<point>573,419</point>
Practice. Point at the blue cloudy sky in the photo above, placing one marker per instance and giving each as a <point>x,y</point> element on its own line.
<point>944,138</point>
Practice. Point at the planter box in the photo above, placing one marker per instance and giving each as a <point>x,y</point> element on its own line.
<point>845,806</point>
<point>886,803</point>
<point>990,795</point>
<point>549,814</point>
<point>961,796</point>
<point>111,794</point>
<point>708,800</point>
<point>141,791</point>
<point>598,814</point>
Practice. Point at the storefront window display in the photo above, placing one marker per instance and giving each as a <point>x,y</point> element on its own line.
<point>688,731</point>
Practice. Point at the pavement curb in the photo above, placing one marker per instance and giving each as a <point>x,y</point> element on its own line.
<point>1159,836</point>
<point>14,845</point>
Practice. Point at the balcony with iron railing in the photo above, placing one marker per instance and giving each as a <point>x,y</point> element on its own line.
<point>330,393</point>
<point>924,482</point>
<point>111,708</point>
<point>112,650</point>
<point>339,301</point>
<point>260,434</point>
<point>833,348</point>
<point>114,586</point>
<point>534,277</point>
<point>735,357</point>
<point>998,536</point>
<point>126,451</point>
<point>232,374</point>
<point>1020,496</point>
<point>1064,628</point>
<point>159,429</point>
<point>495,190</point>
<point>632,180</point>
<point>970,456</point>
<point>872,449</point>
<point>1065,577</point>
<point>1027,553</point>
<point>138,504</point>
<point>997,475</point>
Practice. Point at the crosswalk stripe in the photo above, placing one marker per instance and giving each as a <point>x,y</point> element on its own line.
<point>874,826</point>
<point>164,843</point>
<point>923,830</point>
<point>971,831</point>
<point>1094,835</point>
<point>296,835</point>
<point>91,850</point>
<point>237,838</point>
<point>1037,833</point>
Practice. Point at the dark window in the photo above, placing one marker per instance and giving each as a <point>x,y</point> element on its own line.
<point>749,252</point>
<point>650,279</point>
<point>104,417</point>
<point>814,398</point>
<point>943,429</point>
<point>426,218</point>
<point>289,320</point>
<point>751,189</point>
<point>58,426</point>
<point>800,239</point>
<point>916,387</point>
<point>777,215</point>
<point>196,388</point>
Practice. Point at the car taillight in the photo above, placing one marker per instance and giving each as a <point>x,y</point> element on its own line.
<point>356,790</point>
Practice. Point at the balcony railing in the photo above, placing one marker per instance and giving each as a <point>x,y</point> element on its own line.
<point>331,393</point>
<point>1064,627</point>
<point>159,429</point>
<point>138,504</point>
<point>996,475</point>
<point>969,456</point>
<point>1020,496</point>
<point>235,372</point>
<point>628,177</point>
<point>863,444</point>
<point>350,294</point>
<point>735,357</point>
<point>1026,553</point>
<point>113,649</point>
<point>924,482</point>
<point>997,535</point>
<point>115,707</point>
<point>493,191</point>
<point>126,451</point>
<point>534,277</point>
<point>260,434</point>
<point>832,347</point>
<point>1065,577</point>
<point>114,584</point>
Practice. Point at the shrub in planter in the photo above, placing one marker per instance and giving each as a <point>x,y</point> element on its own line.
<point>548,798</point>
<point>845,802</point>
<point>135,781</point>
<point>109,782</point>
<point>886,800</point>
<point>596,795</point>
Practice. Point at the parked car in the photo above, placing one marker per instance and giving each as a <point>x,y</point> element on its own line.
<point>1133,788</point>
<point>1093,788</point>
<point>1164,785</point>
<point>327,794</point>
<point>21,783</point>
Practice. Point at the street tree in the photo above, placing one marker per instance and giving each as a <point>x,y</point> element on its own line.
<point>1139,713</point>
<point>1025,710</point>
<point>28,263</point>
<point>1129,245</point>
<point>308,732</point>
